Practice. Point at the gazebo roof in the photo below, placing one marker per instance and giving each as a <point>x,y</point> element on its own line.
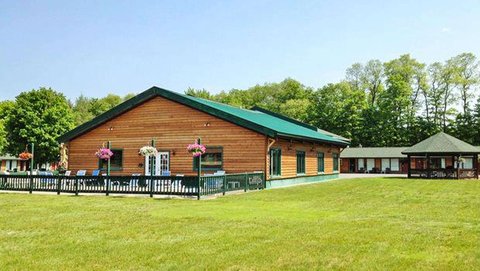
<point>442,143</point>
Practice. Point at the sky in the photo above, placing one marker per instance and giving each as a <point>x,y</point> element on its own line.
<point>99,47</point>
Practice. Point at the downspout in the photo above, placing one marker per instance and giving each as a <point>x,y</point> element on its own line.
<point>270,142</point>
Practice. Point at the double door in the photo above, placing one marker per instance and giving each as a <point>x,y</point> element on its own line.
<point>161,164</point>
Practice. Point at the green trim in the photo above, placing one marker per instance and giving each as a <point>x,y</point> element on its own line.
<point>112,168</point>
<point>336,161</point>
<point>240,117</point>
<point>301,165</point>
<point>300,180</point>
<point>321,166</point>
<point>195,163</point>
<point>279,165</point>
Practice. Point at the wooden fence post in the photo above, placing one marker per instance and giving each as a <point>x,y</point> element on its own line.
<point>107,183</point>
<point>224,184</point>
<point>76,186</point>
<point>246,182</point>
<point>59,184</point>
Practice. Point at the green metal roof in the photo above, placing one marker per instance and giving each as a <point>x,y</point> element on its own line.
<point>442,143</point>
<point>255,120</point>
<point>373,152</point>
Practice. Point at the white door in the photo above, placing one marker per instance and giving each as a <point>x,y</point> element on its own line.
<point>161,164</point>
<point>385,163</point>
<point>370,164</point>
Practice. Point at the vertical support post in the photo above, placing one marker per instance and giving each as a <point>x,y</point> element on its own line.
<point>152,170</point>
<point>32,162</point>
<point>429,175</point>
<point>109,146</point>
<point>59,184</point>
<point>458,167</point>
<point>76,185</point>
<point>107,190</point>
<point>224,184</point>
<point>475,165</point>
<point>246,182</point>
<point>264,181</point>
<point>199,170</point>
<point>409,166</point>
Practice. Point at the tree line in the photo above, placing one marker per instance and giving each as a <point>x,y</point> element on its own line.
<point>394,103</point>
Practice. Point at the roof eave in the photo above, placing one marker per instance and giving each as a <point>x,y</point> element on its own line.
<point>151,93</point>
<point>333,142</point>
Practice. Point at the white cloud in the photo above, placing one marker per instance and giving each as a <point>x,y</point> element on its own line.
<point>446,29</point>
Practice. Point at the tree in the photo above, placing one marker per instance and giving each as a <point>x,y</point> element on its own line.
<point>465,77</point>
<point>199,93</point>
<point>5,108</point>
<point>404,77</point>
<point>373,79</point>
<point>40,117</point>
<point>337,108</point>
<point>82,109</point>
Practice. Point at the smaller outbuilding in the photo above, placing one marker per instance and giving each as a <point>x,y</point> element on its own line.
<point>373,160</point>
<point>442,156</point>
<point>9,163</point>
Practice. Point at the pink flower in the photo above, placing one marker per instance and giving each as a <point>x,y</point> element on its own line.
<point>104,153</point>
<point>196,149</point>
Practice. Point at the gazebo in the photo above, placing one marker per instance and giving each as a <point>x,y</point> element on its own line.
<point>442,156</point>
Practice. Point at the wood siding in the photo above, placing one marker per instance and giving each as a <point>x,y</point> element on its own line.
<point>289,157</point>
<point>174,126</point>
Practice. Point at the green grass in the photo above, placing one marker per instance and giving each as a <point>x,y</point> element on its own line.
<point>362,224</point>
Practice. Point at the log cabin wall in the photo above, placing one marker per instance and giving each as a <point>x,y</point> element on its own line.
<point>289,157</point>
<point>174,126</point>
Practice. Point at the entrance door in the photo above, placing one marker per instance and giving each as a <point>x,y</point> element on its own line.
<point>161,164</point>
<point>352,165</point>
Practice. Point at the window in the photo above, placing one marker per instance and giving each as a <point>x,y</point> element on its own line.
<point>335,161</point>
<point>212,159</point>
<point>275,162</point>
<point>320,162</point>
<point>361,164</point>
<point>300,162</point>
<point>116,161</point>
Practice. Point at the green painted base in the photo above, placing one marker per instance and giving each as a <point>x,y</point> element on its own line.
<point>299,180</point>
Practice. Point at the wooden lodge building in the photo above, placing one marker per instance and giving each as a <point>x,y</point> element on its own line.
<point>237,140</point>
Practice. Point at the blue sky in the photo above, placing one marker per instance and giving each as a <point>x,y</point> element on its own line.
<point>99,47</point>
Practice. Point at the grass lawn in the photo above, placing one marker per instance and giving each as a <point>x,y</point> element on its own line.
<point>393,224</point>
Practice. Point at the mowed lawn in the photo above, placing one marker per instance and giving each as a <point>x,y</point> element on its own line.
<point>360,224</point>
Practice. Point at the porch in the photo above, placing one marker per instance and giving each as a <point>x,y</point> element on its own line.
<point>186,186</point>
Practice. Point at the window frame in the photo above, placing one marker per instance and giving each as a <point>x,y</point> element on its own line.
<point>303,165</point>
<point>279,165</point>
<point>322,157</point>
<point>112,168</point>
<point>194,160</point>
<point>336,162</point>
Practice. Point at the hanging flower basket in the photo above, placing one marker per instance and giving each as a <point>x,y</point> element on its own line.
<point>25,155</point>
<point>148,151</point>
<point>196,149</point>
<point>104,153</point>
